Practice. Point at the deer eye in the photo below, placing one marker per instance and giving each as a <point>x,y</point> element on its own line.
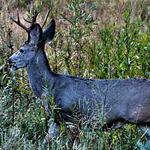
<point>26,42</point>
<point>21,50</point>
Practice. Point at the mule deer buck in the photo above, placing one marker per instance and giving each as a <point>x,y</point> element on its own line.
<point>120,100</point>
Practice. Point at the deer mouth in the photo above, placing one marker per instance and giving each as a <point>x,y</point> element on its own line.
<point>13,67</point>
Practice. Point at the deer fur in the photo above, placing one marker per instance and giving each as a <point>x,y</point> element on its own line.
<point>126,100</point>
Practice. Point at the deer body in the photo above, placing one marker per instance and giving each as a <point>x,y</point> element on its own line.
<point>125,100</point>
<point>120,99</point>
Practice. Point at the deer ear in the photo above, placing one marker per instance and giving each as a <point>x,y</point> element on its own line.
<point>49,32</point>
<point>35,34</point>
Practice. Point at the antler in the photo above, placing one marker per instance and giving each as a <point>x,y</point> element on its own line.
<point>18,22</point>
<point>27,20</point>
<point>32,22</point>
<point>44,22</point>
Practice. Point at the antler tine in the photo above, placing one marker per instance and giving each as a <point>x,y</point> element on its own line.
<point>18,22</point>
<point>26,20</point>
<point>34,17</point>
<point>33,20</point>
<point>44,22</point>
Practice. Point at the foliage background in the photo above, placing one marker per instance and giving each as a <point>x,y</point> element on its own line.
<point>94,39</point>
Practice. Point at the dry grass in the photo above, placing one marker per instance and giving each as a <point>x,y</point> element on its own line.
<point>114,44</point>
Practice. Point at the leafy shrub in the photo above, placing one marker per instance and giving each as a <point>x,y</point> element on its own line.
<point>84,45</point>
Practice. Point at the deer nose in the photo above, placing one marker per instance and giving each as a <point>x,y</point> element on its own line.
<point>9,60</point>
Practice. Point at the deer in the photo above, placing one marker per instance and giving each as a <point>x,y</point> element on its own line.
<point>119,100</point>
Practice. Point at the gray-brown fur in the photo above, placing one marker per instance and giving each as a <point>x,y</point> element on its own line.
<point>119,100</point>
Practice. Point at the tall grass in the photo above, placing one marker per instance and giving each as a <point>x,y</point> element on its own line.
<point>94,40</point>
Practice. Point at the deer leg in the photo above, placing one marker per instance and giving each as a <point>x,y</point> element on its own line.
<point>53,132</point>
<point>46,106</point>
<point>45,103</point>
<point>53,129</point>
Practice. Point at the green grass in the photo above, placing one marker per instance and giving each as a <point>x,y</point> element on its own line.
<point>90,42</point>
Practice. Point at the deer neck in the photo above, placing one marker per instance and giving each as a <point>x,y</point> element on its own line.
<point>40,75</point>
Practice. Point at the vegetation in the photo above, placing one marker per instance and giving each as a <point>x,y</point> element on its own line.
<point>94,39</point>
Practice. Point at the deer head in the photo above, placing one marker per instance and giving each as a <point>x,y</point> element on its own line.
<point>36,41</point>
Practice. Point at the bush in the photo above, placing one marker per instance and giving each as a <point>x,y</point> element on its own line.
<point>90,42</point>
